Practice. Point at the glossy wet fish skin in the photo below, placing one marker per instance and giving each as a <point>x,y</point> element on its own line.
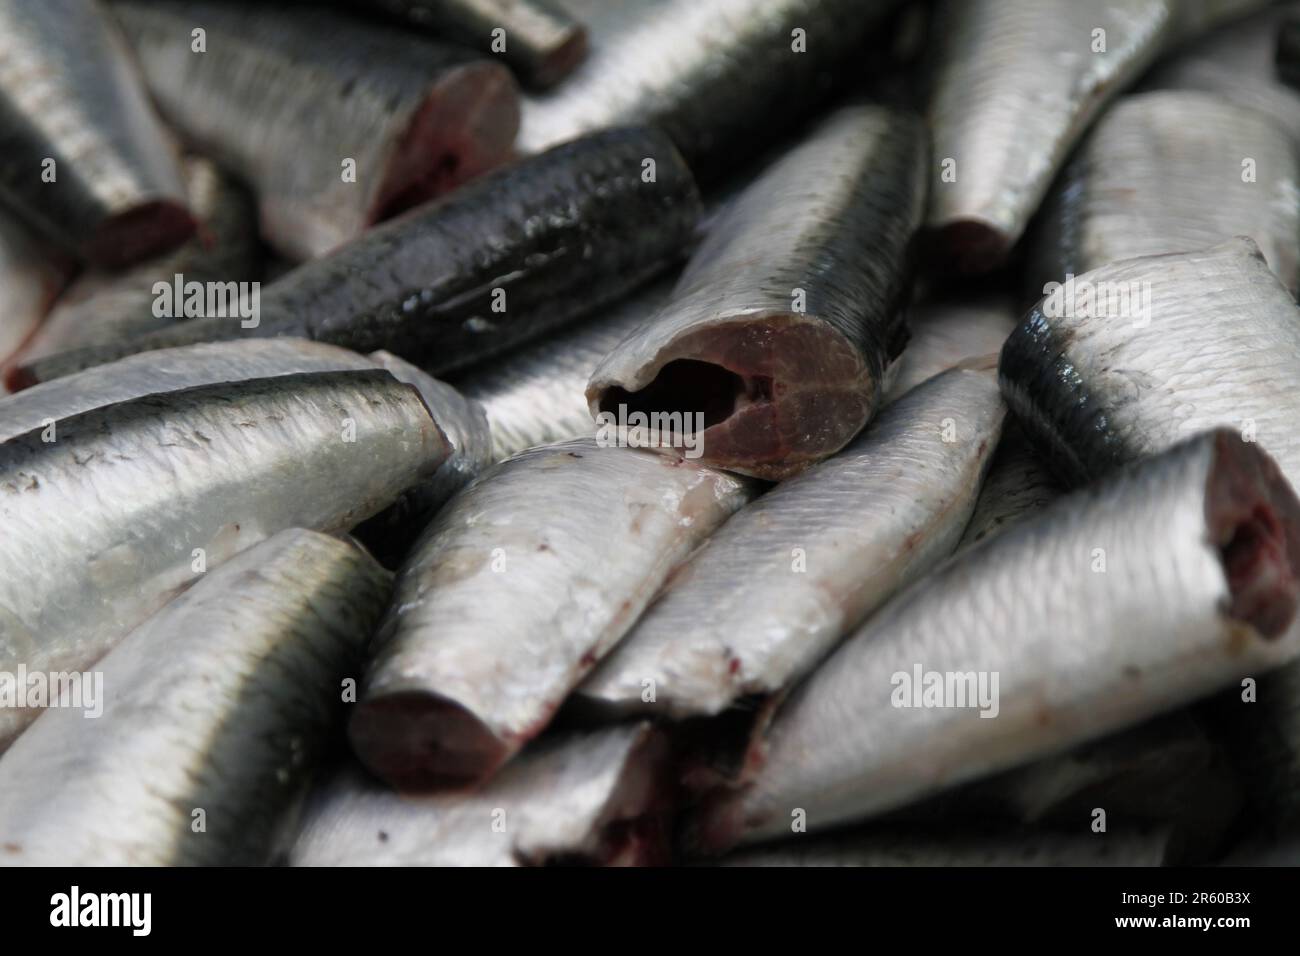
<point>461,419</point>
<point>32,272</point>
<point>522,583</point>
<point>986,847</point>
<point>537,394</point>
<point>1138,186</point>
<point>71,94</point>
<point>720,76</point>
<point>1235,62</point>
<point>223,701</point>
<point>947,333</point>
<point>591,232</point>
<point>807,373</point>
<point>543,43</point>
<point>1018,486</point>
<point>566,799</point>
<point>738,621</point>
<point>102,307</point>
<point>1094,392</point>
<point>1159,628</point>
<point>390,534</point>
<point>1015,86</point>
<point>209,363</point>
<point>284,97</point>
<point>102,523</point>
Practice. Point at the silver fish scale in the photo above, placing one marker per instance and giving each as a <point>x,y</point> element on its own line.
<point>461,419</point>
<point>1105,389</point>
<point>536,394</point>
<point>69,85</point>
<point>554,801</point>
<point>1237,64</point>
<point>167,370</point>
<point>1079,653</point>
<point>101,524</point>
<point>221,702</point>
<point>739,620</point>
<point>1017,84</point>
<point>703,70</point>
<point>855,183</point>
<point>283,99</point>
<point>534,572</point>
<point>1140,186</point>
<point>946,333</point>
<point>543,42</point>
<point>792,228</point>
<point>1018,485</point>
<point>101,307</point>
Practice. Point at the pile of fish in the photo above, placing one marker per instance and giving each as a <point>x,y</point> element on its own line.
<point>864,432</point>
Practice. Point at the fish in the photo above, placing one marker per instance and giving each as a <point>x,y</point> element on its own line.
<point>1013,88</point>
<point>390,534</point>
<point>946,332</point>
<point>1153,758</point>
<point>775,588</point>
<point>215,711</point>
<point>580,798</point>
<point>102,306</point>
<point>461,419</point>
<point>168,370</point>
<point>521,584</point>
<point>1172,579</point>
<point>536,395</point>
<point>111,512</point>
<point>1236,63</point>
<point>1121,363</point>
<point>721,77</point>
<point>86,159</point>
<point>1168,772</point>
<point>1019,484</point>
<point>538,38</point>
<point>778,335</point>
<point>1138,186</point>
<point>512,256</point>
<point>32,273</point>
<point>985,847</point>
<point>336,124</point>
